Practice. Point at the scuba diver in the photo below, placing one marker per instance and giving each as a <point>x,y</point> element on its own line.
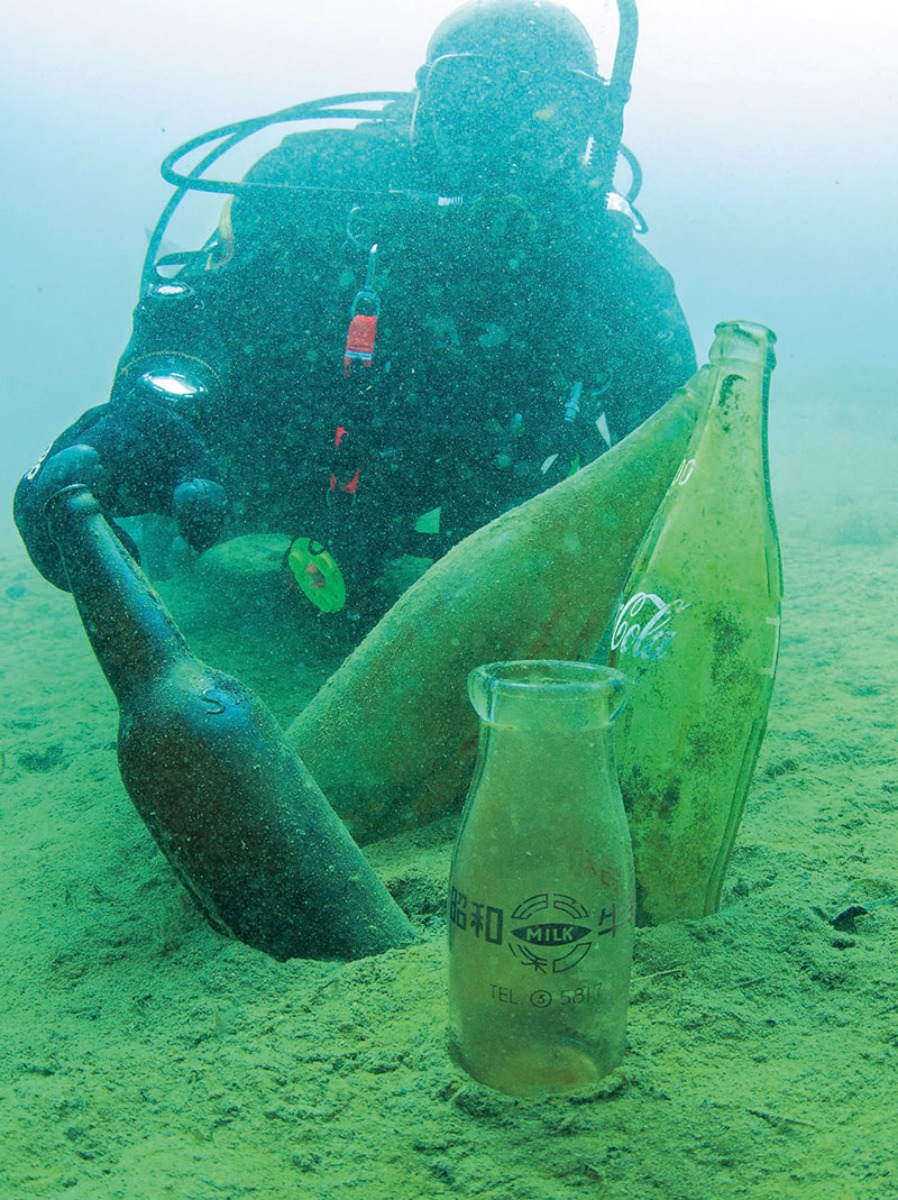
<point>402,326</point>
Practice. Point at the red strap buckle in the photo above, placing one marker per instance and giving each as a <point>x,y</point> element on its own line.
<point>360,342</point>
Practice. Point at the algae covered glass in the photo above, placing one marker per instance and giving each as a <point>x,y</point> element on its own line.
<point>697,629</point>
<point>541,889</point>
<point>242,822</point>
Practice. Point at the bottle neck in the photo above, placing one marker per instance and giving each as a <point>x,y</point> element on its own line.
<point>533,763</point>
<point>742,358</point>
<point>544,721</point>
<point>732,442</point>
<point>132,635</point>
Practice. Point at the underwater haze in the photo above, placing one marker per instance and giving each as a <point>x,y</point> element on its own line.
<point>142,1055</point>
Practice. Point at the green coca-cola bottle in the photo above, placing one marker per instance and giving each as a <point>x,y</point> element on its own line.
<point>240,819</point>
<point>697,629</point>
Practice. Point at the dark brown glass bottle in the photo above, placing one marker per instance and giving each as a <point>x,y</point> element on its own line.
<point>240,819</point>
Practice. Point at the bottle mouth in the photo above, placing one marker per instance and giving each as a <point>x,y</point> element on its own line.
<point>547,694</point>
<point>746,340</point>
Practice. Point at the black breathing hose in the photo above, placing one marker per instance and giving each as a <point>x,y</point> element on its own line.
<point>226,137</point>
<point>347,107</point>
<point>625,53</point>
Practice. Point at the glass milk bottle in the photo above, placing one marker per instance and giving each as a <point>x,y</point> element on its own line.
<point>541,889</point>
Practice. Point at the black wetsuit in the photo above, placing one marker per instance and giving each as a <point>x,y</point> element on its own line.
<point>514,340</point>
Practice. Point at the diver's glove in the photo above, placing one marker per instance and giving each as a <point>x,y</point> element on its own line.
<point>137,456</point>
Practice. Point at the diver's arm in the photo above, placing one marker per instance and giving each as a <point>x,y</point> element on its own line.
<point>175,349</point>
<point>186,389</point>
<point>144,451</point>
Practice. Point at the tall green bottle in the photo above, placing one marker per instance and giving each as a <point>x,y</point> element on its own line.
<point>697,629</point>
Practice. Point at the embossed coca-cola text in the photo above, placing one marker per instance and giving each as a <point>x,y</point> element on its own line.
<point>651,636</point>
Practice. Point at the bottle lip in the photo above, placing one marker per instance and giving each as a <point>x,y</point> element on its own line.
<point>546,693</point>
<point>752,329</point>
<point>554,675</point>
<point>65,502</point>
<point>746,340</point>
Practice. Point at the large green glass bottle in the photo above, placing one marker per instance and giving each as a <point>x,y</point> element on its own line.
<point>697,629</point>
<point>391,738</point>
<point>541,893</point>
